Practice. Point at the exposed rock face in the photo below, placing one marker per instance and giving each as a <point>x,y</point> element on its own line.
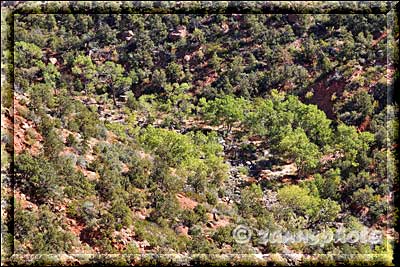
<point>53,60</point>
<point>269,198</point>
<point>127,35</point>
<point>285,170</point>
<point>225,27</point>
<point>179,33</point>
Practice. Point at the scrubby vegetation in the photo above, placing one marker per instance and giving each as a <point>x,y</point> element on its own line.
<point>160,133</point>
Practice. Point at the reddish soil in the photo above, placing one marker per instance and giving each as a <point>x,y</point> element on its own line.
<point>20,128</point>
<point>375,42</point>
<point>220,222</point>
<point>209,78</point>
<point>76,228</point>
<point>92,176</point>
<point>185,202</point>
<point>356,74</point>
<point>364,125</point>
<point>323,91</point>
<point>25,204</point>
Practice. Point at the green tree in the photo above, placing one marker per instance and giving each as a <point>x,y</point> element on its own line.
<point>353,145</point>
<point>170,146</point>
<point>226,110</point>
<point>24,222</point>
<point>147,106</point>
<point>311,119</point>
<point>355,109</point>
<point>27,63</point>
<point>178,102</point>
<point>159,78</point>
<point>42,96</point>
<point>121,213</point>
<point>363,197</point>
<point>26,54</point>
<point>5,157</point>
<point>139,171</point>
<point>296,199</point>
<point>223,235</point>
<point>175,72</point>
<point>50,238</point>
<point>251,201</point>
<point>163,179</point>
<point>197,176</point>
<point>198,37</point>
<point>328,185</point>
<point>235,69</point>
<point>52,145</point>
<point>85,70</point>
<point>270,118</point>
<point>51,76</point>
<point>296,146</point>
<point>159,32</point>
<point>113,78</point>
<point>384,125</point>
<point>215,62</point>
<point>37,178</point>
<point>165,206</point>
<point>355,182</point>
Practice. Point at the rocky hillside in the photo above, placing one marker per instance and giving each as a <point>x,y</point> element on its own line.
<point>142,135</point>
